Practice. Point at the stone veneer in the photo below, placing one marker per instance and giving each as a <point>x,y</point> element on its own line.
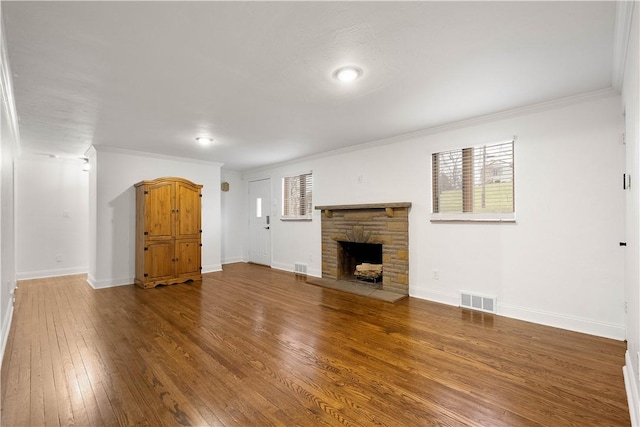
<point>385,223</point>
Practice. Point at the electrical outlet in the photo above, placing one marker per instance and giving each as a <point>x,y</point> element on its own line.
<point>435,275</point>
<point>65,214</point>
<point>59,258</point>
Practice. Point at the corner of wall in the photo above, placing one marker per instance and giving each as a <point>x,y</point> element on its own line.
<point>91,281</point>
<point>101,284</point>
<point>233,260</point>
<point>211,268</point>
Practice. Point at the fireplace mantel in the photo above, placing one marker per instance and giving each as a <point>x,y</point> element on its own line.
<point>328,209</point>
<point>364,206</point>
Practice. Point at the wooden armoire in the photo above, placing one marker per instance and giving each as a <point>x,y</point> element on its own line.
<point>168,232</point>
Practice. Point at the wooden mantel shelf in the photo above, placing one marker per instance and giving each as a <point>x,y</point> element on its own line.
<point>328,209</point>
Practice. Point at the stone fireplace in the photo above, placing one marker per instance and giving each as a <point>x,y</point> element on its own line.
<point>370,233</point>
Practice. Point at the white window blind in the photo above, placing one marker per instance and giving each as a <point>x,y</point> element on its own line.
<point>476,180</point>
<point>297,196</point>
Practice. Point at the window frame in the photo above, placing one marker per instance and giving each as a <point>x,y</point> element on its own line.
<point>305,205</point>
<point>467,215</point>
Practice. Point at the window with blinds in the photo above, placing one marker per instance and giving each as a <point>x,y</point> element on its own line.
<point>474,183</point>
<point>297,196</point>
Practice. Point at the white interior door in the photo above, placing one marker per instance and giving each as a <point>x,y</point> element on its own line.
<point>260,221</point>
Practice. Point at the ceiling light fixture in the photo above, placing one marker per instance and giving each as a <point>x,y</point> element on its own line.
<point>347,74</point>
<point>204,140</point>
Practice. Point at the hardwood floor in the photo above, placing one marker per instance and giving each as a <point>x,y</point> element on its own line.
<point>251,346</point>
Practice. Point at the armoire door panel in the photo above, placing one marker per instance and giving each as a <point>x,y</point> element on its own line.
<point>159,211</point>
<point>187,257</point>
<point>159,260</point>
<point>188,211</point>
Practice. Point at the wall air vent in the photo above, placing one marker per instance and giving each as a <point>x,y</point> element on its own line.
<point>300,268</point>
<point>477,302</point>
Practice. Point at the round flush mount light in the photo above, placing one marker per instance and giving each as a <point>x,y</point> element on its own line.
<point>347,74</point>
<point>204,140</point>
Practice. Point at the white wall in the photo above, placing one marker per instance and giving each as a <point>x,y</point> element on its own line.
<point>116,171</point>
<point>9,149</point>
<point>630,100</point>
<point>52,217</point>
<point>92,232</point>
<point>234,217</point>
<point>7,229</point>
<point>560,264</point>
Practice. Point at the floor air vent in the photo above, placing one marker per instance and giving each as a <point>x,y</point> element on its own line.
<point>300,268</point>
<point>478,302</point>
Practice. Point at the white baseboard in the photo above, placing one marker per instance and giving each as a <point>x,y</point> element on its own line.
<point>111,283</point>
<point>280,266</point>
<point>211,268</point>
<point>313,272</point>
<point>633,399</point>
<point>91,280</point>
<point>435,296</point>
<point>6,327</point>
<point>571,323</point>
<point>233,260</point>
<point>25,275</point>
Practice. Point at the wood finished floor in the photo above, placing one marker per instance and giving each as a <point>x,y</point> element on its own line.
<point>251,346</point>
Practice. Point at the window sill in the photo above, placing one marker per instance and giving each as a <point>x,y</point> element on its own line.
<point>474,218</point>
<point>296,219</point>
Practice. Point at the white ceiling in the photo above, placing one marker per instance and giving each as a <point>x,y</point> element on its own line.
<point>257,76</point>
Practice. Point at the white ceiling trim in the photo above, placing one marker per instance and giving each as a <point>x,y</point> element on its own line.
<point>515,112</point>
<point>104,148</point>
<point>624,18</point>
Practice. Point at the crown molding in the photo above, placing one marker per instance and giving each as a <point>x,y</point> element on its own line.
<point>124,151</point>
<point>622,34</point>
<point>474,121</point>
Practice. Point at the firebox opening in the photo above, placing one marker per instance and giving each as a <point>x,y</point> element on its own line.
<point>351,254</point>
